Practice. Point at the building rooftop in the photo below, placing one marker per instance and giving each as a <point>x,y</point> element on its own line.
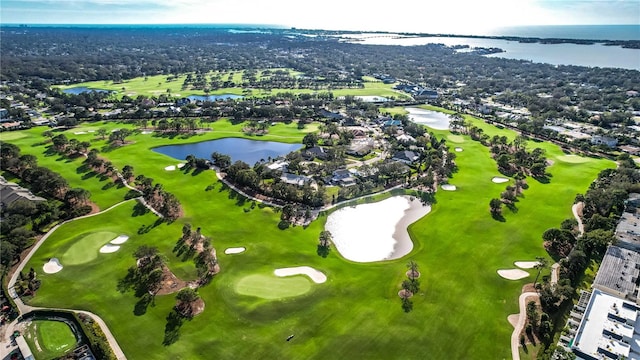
<point>619,272</point>
<point>628,230</point>
<point>607,329</point>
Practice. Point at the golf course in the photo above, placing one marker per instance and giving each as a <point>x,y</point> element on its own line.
<point>460,311</point>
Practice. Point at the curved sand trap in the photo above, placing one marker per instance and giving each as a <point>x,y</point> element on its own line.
<point>235,250</point>
<point>375,231</point>
<point>458,149</point>
<point>513,274</point>
<point>526,264</point>
<point>499,179</point>
<point>109,248</point>
<point>52,267</point>
<point>312,273</point>
<point>448,187</point>
<point>170,168</point>
<point>120,240</point>
<point>180,166</point>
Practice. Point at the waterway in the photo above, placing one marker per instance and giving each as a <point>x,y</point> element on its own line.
<point>596,55</point>
<point>376,231</point>
<point>249,151</point>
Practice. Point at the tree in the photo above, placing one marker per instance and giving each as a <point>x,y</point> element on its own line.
<point>220,160</point>
<point>127,172</point>
<point>310,140</point>
<point>102,132</point>
<point>413,269</point>
<point>541,263</point>
<point>186,298</point>
<point>119,135</point>
<point>495,206</point>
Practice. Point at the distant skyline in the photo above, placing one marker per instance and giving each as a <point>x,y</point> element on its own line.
<point>442,16</point>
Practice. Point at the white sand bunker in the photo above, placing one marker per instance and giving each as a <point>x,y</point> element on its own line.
<point>147,132</point>
<point>312,273</point>
<point>120,240</point>
<point>499,179</point>
<point>458,149</point>
<point>526,264</point>
<point>513,274</point>
<point>52,267</point>
<point>170,168</point>
<point>180,166</point>
<point>235,250</point>
<point>79,132</point>
<point>109,248</point>
<point>448,187</point>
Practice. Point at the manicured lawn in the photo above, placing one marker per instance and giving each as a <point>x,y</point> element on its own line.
<point>271,287</point>
<point>49,339</point>
<point>86,247</point>
<point>459,313</point>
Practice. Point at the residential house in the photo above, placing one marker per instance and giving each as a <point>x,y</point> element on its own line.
<point>12,192</point>
<point>343,177</point>
<point>294,179</point>
<point>407,157</point>
<point>315,152</point>
<point>604,140</point>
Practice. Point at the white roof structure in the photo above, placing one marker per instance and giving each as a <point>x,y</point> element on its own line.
<point>607,329</point>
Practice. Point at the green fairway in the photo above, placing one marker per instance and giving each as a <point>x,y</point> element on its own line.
<point>86,248</point>
<point>460,311</point>
<point>49,339</point>
<point>272,287</point>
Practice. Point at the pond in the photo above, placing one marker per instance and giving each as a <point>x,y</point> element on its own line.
<point>83,89</point>
<point>377,231</point>
<point>213,97</point>
<point>433,119</point>
<point>249,151</point>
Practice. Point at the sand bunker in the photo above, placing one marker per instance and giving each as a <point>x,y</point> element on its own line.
<point>109,248</point>
<point>458,149</point>
<point>312,273</point>
<point>499,180</point>
<point>146,132</point>
<point>235,250</point>
<point>79,132</point>
<point>120,240</point>
<point>526,264</point>
<point>448,187</point>
<point>170,168</point>
<point>513,274</point>
<point>52,267</point>
<point>180,166</point>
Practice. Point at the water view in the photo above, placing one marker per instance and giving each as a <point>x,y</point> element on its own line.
<point>375,232</point>
<point>83,89</point>
<point>213,97</point>
<point>596,55</point>
<point>433,119</point>
<point>249,151</point>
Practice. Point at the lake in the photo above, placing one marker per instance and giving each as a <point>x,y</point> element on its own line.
<point>83,89</point>
<point>596,55</point>
<point>433,119</point>
<point>376,231</point>
<point>213,97</point>
<point>249,151</point>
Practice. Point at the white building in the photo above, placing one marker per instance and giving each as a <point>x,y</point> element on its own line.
<point>608,329</point>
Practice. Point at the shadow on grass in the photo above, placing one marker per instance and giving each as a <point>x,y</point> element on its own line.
<point>323,251</point>
<point>498,217</point>
<point>141,306</point>
<point>172,328</point>
<point>139,209</point>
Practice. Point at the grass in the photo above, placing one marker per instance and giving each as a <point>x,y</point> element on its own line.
<point>460,312</point>
<point>272,287</point>
<point>86,248</point>
<point>158,84</point>
<point>49,339</point>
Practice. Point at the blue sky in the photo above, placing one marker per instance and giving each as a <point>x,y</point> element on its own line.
<point>456,16</point>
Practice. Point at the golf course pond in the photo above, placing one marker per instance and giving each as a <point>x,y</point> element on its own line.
<point>376,231</point>
<point>213,97</point>
<point>249,151</point>
<point>83,89</point>
<point>433,119</point>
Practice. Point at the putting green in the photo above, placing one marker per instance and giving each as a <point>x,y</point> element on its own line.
<point>271,287</point>
<point>455,138</point>
<point>574,159</point>
<point>54,337</point>
<point>86,248</point>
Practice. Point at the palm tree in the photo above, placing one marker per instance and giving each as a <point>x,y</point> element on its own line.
<point>541,263</point>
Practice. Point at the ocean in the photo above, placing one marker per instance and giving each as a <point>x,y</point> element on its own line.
<point>583,32</point>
